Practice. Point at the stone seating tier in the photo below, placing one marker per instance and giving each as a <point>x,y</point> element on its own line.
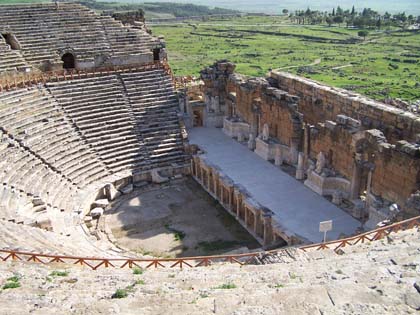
<point>17,236</point>
<point>86,33</point>
<point>62,141</point>
<point>37,121</point>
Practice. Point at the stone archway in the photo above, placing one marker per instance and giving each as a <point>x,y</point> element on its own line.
<point>69,61</point>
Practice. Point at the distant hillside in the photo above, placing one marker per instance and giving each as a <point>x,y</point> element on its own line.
<point>276,6</point>
<point>183,9</point>
<point>150,9</point>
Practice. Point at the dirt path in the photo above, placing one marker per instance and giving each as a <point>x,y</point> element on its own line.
<point>316,62</point>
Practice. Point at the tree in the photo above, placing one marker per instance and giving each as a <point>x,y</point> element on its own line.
<point>329,21</point>
<point>353,11</point>
<point>285,11</point>
<point>339,11</point>
<point>363,33</point>
<point>410,19</point>
<point>338,19</point>
<point>333,12</point>
<point>401,17</point>
<point>379,23</point>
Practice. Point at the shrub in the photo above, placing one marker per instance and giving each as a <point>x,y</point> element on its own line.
<point>138,271</point>
<point>13,279</point>
<point>227,286</point>
<point>59,273</point>
<point>120,294</point>
<point>11,285</point>
<point>363,33</point>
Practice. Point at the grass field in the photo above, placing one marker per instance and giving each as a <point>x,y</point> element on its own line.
<point>385,64</point>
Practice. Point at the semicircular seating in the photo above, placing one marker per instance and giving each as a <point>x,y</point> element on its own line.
<point>63,141</point>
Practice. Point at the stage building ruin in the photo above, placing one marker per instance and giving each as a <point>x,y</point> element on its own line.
<point>341,144</point>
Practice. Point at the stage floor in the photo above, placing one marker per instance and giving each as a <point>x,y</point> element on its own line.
<point>297,208</point>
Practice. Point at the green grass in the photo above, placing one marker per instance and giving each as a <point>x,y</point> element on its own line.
<point>123,293</point>
<point>226,286</point>
<point>120,294</point>
<point>13,279</point>
<point>257,44</point>
<point>57,273</point>
<point>178,235</point>
<point>11,285</point>
<point>138,271</point>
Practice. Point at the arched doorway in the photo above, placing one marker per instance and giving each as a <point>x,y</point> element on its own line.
<point>156,54</point>
<point>68,61</point>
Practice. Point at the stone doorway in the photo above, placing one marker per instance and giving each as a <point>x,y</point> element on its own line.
<point>156,54</point>
<point>198,118</point>
<point>68,61</point>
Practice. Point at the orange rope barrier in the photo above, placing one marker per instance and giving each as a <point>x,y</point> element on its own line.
<point>191,262</point>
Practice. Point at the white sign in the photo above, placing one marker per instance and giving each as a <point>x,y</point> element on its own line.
<point>325,226</point>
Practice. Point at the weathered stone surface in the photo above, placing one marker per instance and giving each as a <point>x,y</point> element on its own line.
<point>362,280</point>
<point>111,192</point>
<point>127,189</point>
<point>345,103</point>
<point>96,212</point>
<point>103,203</point>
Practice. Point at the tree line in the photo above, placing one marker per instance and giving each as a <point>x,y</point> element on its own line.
<point>367,18</point>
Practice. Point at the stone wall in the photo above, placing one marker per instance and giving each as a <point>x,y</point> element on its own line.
<point>397,173</point>
<point>344,145</point>
<point>352,153</point>
<point>259,103</point>
<point>335,142</point>
<point>319,103</point>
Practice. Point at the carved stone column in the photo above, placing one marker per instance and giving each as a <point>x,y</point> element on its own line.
<point>300,172</point>
<point>355,179</point>
<point>246,215</point>
<point>306,145</point>
<point>193,167</point>
<point>278,158</point>
<point>268,230</point>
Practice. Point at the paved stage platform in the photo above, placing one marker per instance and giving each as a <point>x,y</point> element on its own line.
<point>297,208</point>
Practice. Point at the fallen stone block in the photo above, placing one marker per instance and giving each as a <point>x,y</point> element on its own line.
<point>96,213</point>
<point>101,203</point>
<point>127,189</point>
